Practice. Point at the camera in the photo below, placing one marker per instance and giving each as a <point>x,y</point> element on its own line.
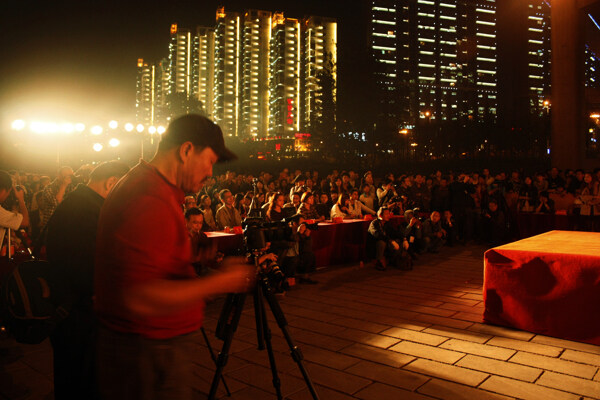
<point>313,227</point>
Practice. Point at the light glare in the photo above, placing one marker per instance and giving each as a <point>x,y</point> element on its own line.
<point>80,127</point>
<point>128,127</point>
<point>98,147</point>
<point>96,130</point>
<point>114,142</point>
<point>67,128</point>
<point>18,125</point>
<point>161,129</point>
<point>140,128</point>
<point>152,130</point>
<point>113,124</point>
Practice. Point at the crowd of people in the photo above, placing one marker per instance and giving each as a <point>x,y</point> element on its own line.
<point>132,244</point>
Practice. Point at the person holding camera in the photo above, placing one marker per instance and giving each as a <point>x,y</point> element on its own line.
<point>54,193</point>
<point>390,244</point>
<point>307,262</point>
<point>434,236</point>
<point>11,219</point>
<point>148,298</point>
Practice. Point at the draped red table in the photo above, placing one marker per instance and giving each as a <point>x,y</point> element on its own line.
<point>547,284</point>
<point>333,243</point>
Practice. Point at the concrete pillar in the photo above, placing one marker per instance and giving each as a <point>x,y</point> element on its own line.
<point>568,137</point>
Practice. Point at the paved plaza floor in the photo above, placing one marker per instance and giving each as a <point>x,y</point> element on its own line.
<point>375,335</point>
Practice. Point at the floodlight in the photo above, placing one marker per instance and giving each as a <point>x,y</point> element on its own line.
<point>139,128</point>
<point>114,142</point>
<point>80,127</point>
<point>98,147</point>
<point>161,129</point>
<point>96,130</point>
<point>152,130</point>
<point>18,125</point>
<point>113,124</point>
<point>128,127</point>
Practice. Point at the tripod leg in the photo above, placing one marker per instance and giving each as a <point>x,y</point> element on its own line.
<point>229,323</point>
<point>212,356</point>
<point>282,323</point>
<point>266,333</point>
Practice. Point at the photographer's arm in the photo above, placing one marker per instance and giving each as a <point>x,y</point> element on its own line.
<point>164,296</point>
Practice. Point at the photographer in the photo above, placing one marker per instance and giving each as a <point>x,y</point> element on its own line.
<point>10,219</point>
<point>386,192</point>
<point>307,262</point>
<point>390,245</point>
<point>149,301</point>
<point>413,233</point>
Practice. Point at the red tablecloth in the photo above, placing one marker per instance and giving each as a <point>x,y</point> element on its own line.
<point>547,284</point>
<point>333,243</point>
<point>531,224</point>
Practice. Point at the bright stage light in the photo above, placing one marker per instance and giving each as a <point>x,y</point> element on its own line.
<point>67,128</point>
<point>161,129</point>
<point>80,127</point>
<point>18,125</point>
<point>113,124</point>
<point>43,128</point>
<point>128,127</point>
<point>96,130</point>
<point>98,147</point>
<point>139,128</point>
<point>152,130</point>
<point>114,142</point>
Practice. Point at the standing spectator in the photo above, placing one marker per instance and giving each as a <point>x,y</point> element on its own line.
<point>189,202</point>
<point>494,224</point>
<point>71,243</point>
<point>54,193</point>
<point>448,226</point>
<point>10,219</point>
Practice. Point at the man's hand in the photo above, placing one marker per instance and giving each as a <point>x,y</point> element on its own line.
<point>395,245</point>
<point>19,193</point>
<point>237,274</point>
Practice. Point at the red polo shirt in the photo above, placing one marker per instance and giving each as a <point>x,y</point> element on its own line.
<point>142,236</point>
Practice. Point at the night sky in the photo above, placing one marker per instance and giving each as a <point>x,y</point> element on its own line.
<point>76,60</point>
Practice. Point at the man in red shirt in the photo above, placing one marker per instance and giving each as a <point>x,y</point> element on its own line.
<point>148,298</point>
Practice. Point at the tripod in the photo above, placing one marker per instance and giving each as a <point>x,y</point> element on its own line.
<point>229,321</point>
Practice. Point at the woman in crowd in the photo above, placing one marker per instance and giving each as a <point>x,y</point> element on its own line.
<point>275,211</point>
<point>207,212</point>
<point>307,208</point>
<point>340,209</point>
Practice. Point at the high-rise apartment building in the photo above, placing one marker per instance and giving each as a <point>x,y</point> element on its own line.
<point>435,59</point>
<point>228,43</point>
<point>145,99</point>
<point>256,36</point>
<point>538,55</point>
<point>206,67</point>
<point>183,62</point>
<point>284,82</point>
<point>319,41</point>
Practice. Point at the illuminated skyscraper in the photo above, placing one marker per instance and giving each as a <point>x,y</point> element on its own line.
<point>255,73</point>
<point>538,54</point>
<point>435,59</point>
<point>319,56</point>
<point>183,62</point>
<point>145,95</point>
<point>206,67</point>
<point>284,83</point>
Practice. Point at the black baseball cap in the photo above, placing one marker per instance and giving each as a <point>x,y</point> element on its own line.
<point>199,130</point>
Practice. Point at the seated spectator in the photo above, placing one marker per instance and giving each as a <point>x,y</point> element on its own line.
<point>341,208</point>
<point>546,205</point>
<point>205,207</point>
<point>189,202</point>
<point>495,229</point>
<point>227,215</point>
<point>390,244</point>
<point>563,201</point>
<point>448,225</point>
<point>324,206</point>
<point>413,233</point>
<point>434,236</point>
<point>590,196</point>
<point>299,185</point>
<point>275,211</point>
<point>356,208</point>
<point>307,207</point>
<point>527,196</point>
<point>294,203</point>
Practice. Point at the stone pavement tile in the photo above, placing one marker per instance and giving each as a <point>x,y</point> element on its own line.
<point>581,357</point>
<point>523,390</point>
<point>260,377</point>
<point>304,312</point>
<point>388,375</point>
<point>529,347</point>
<point>203,379</point>
<point>360,324</point>
<point>378,391</point>
<point>501,331</point>
<point>457,334</point>
<point>473,296</point>
<point>26,383</point>
<point>430,310</point>
<point>452,323</point>
<point>428,352</point>
<point>459,307</point>
<point>316,339</point>
<point>203,359</point>
<point>403,323</point>
<point>483,350</point>
<point>323,393</point>
<point>414,336</point>
<point>247,393</point>
<point>328,358</point>
<point>554,364</point>
<point>453,391</point>
<point>597,377</point>
<point>341,381</point>
<point>567,344</point>
<point>570,384</point>
<point>381,356</point>
<point>284,362</point>
<point>316,326</point>
<point>447,372</point>
<point>502,368</point>
<point>372,339</point>
<point>467,316</point>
